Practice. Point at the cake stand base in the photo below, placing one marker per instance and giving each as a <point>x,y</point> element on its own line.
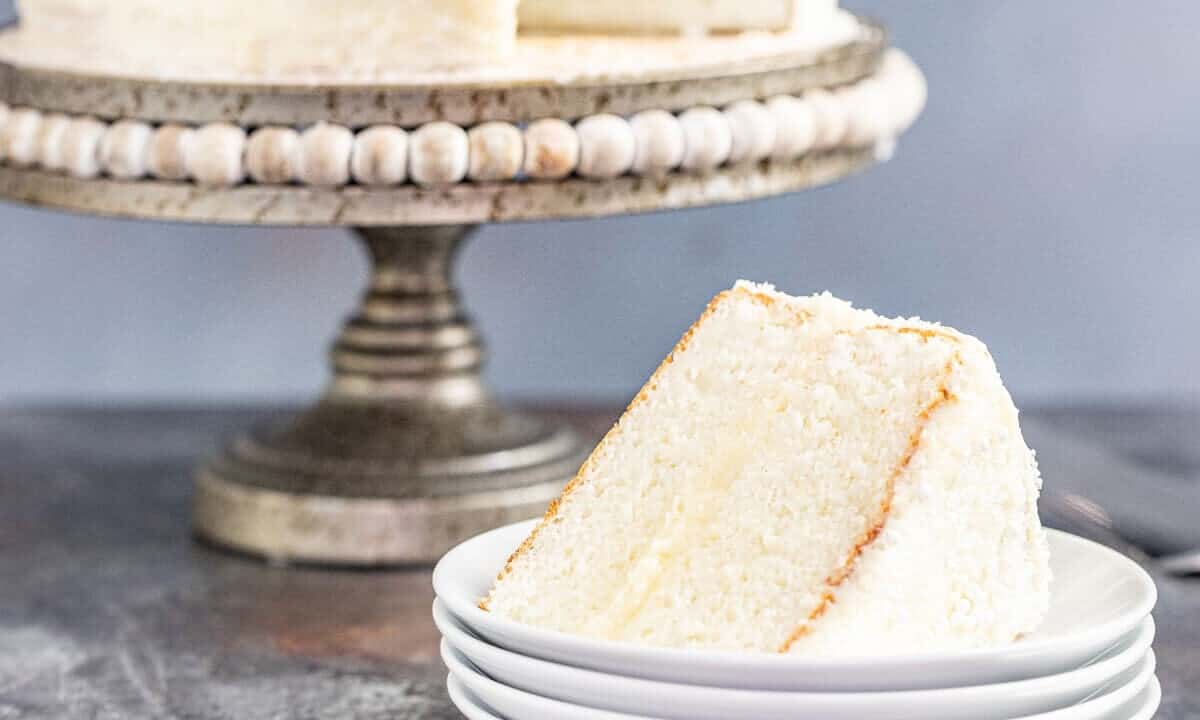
<point>407,453</point>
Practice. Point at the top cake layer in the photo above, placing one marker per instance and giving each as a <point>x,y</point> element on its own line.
<point>322,38</point>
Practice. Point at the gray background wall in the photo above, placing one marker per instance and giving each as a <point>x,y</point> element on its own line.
<point>1046,202</point>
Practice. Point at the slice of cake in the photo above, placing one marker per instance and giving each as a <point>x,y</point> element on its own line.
<point>798,476</point>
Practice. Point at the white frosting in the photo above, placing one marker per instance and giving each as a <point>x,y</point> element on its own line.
<point>753,131</point>
<point>438,154</point>
<point>50,141</point>
<point>380,156</point>
<point>660,142</point>
<point>497,150</point>
<point>275,36</point>
<point>324,155</point>
<point>707,138</point>
<point>19,136</point>
<point>795,126</point>
<point>551,149</point>
<point>272,155</point>
<point>167,155</point>
<point>214,155</point>
<point>606,146</point>
<point>123,149</point>
<point>81,147</point>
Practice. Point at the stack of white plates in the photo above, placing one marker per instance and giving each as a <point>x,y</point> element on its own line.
<point>1091,660</point>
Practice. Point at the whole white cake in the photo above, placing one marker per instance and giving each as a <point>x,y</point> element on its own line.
<point>267,34</point>
<point>798,476</point>
<point>324,36</point>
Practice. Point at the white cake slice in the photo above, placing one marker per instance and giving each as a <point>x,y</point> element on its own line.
<point>798,476</point>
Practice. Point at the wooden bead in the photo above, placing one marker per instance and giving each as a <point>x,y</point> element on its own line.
<point>166,158</point>
<point>497,151</point>
<point>214,155</point>
<point>438,154</point>
<point>50,141</point>
<point>707,139</point>
<point>551,149</point>
<point>380,156</point>
<point>81,147</point>
<point>123,149</point>
<point>18,137</point>
<point>5,111</point>
<point>907,90</point>
<point>324,156</point>
<point>271,155</point>
<point>830,114</point>
<point>919,89</point>
<point>606,146</point>
<point>753,131</point>
<point>867,117</point>
<point>659,142</point>
<point>795,126</point>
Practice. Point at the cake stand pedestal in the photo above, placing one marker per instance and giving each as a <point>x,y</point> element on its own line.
<point>407,452</point>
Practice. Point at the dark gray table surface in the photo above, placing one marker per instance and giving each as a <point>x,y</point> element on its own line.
<point>108,609</point>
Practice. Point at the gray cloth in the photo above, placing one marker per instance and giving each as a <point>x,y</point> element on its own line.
<point>1156,510</point>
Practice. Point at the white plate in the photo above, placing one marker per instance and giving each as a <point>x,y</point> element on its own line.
<point>1112,703</point>
<point>691,702</point>
<point>466,703</point>
<point>1143,706</point>
<point>1098,596</point>
<point>514,704</point>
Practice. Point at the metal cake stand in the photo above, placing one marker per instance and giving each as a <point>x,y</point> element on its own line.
<point>407,451</point>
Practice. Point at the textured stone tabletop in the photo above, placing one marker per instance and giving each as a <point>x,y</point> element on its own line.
<point>108,609</point>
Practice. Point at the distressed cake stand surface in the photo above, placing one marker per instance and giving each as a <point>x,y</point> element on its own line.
<point>407,452</point>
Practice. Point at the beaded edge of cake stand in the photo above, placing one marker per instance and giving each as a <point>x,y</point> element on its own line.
<point>651,143</point>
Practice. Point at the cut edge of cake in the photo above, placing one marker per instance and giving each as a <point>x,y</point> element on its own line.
<point>761,293</point>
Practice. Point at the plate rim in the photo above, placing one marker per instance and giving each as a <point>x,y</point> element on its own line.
<point>1154,694</point>
<point>460,695</point>
<point>458,665</point>
<point>1139,647</point>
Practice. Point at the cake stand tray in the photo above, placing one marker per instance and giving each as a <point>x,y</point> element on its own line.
<point>407,452</point>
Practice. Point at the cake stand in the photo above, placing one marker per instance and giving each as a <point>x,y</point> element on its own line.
<point>407,451</point>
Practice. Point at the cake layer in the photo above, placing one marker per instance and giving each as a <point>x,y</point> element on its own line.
<point>798,476</point>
